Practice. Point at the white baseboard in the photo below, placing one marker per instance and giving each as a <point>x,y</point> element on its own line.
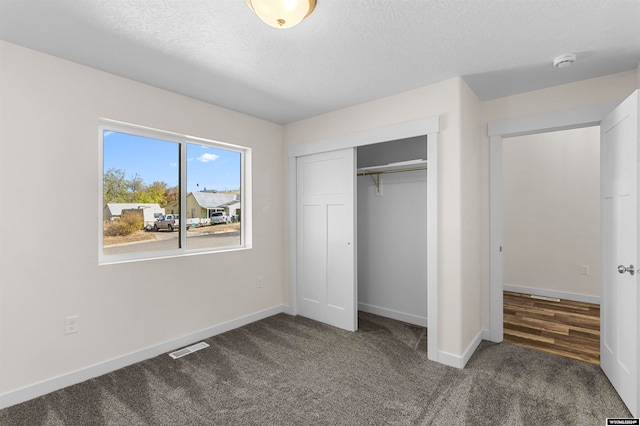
<point>485,335</point>
<point>288,309</point>
<point>552,293</point>
<point>50,385</point>
<point>459,361</point>
<point>449,359</point>
<point>390,313</point>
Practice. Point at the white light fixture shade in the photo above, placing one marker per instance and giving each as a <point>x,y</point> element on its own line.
<point>282,13</point>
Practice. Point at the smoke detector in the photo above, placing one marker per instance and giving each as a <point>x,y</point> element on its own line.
<point>564,61</point>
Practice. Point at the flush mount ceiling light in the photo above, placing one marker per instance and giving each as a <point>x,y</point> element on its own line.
<point>564,61</point>
<point>282,13</point>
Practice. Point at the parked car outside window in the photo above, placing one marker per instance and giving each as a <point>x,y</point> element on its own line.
<point>219,217</point>
<point>168,222</point>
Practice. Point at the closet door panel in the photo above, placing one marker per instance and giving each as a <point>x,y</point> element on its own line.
<point>337,257</point>
<point>325,224</point>
<point>313,269</point>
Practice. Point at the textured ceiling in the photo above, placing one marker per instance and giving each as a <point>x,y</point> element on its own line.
<point>345,53</point>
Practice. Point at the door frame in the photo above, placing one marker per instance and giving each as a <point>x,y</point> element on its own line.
<point>497,131</point>
<point>427,126</point>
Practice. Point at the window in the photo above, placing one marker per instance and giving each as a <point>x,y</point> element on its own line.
<point>164,194</point>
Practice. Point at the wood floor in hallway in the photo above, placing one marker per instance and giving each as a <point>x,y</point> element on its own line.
<point>566,328</point>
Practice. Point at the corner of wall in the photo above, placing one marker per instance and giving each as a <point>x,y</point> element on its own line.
<point>460,361</point>
<point>471,224</point>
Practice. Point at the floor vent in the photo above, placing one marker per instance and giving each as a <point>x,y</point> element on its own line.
<point>188,350</point>
<point>550,299</point>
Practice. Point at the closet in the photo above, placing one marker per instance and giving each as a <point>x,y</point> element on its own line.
<point>392,229</point>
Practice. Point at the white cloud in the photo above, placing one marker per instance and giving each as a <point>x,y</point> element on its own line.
<point>206,157</point>
<point>107,133</point>
<point>173,164</point>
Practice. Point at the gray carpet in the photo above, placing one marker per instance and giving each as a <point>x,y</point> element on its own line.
<point>293,371</point>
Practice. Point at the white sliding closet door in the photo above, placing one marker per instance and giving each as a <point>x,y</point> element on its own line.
<point>325,269</point>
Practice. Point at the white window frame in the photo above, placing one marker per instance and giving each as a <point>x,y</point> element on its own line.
<point>182,140</point>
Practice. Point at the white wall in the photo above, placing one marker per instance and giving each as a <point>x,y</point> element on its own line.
<point>49,110</point>
<point>551,187</point>
<point>392,246</point>
<point>596,91</point>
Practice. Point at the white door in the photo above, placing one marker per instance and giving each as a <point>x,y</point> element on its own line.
<point>325,232</point>
<point>619,218</point>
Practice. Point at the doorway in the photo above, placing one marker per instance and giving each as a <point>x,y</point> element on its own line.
<point>392,229</point>
<point>498,131</point>
<point>551,193</point>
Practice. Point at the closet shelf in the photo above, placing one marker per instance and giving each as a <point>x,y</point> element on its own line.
<point>403,166</point>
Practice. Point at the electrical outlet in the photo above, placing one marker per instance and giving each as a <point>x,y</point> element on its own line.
<point>584,270</point>
<point>260,282</point>
<point>71,324</point>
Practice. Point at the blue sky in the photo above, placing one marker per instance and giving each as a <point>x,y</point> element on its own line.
<point>157,160</point>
